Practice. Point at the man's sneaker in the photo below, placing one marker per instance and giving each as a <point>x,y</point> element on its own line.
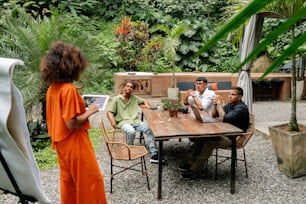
<point>188,174</point>
<point>184,168</point>
<point>154,159</point>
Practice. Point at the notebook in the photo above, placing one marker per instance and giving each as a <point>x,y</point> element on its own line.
<point>199,117</point>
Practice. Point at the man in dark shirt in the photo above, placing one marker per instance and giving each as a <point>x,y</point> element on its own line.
<point>236,113</point>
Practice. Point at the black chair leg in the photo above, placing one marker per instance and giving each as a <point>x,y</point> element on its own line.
<point>142,165</point>
<point>146,172</point>
<point>140,137</point>
<point>245,164</point>
<point>111,177</point>
<point>141,133</point>
<point>216,169</point>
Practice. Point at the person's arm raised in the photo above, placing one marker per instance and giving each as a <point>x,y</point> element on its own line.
<point>79,120</point>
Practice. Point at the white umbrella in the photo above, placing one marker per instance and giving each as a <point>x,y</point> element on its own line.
<point>248,43</point>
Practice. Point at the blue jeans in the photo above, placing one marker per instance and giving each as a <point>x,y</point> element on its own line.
<point>130,130</point>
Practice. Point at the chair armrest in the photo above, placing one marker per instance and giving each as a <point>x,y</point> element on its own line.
<point>118,135</point>
<point>121,147</point>
<point>242,140</point>
<point>115,130</point>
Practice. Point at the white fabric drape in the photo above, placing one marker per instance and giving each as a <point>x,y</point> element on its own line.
<point>15,143</point>
<point>247,46</point>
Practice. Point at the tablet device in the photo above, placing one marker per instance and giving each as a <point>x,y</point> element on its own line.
<point>99,100</point>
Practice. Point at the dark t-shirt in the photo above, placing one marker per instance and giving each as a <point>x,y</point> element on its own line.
<point>237,115</point>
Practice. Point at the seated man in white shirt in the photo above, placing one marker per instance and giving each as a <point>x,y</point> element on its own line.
<point>202,97</point>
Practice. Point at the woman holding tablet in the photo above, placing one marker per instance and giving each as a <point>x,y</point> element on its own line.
<point>81,180</point>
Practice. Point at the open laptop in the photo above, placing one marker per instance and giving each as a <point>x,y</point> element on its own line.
<point>199,117</point>
<point>99,100</point>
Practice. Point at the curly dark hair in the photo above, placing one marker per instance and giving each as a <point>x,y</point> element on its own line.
<point>126,81</point>
<point>63,63</point>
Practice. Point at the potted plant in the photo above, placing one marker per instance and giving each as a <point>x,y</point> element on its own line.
<point>170,41</point>
<point>289,140</point>
<point>173,106</point>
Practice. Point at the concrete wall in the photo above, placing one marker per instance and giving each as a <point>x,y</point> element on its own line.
<point>156,84</point>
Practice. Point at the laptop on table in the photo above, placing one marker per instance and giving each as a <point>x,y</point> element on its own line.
<point>201,118</point>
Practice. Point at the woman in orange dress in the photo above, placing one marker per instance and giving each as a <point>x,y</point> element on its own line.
<point>81,181</point>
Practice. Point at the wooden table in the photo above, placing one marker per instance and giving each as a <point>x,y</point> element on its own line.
<point>165,127</point>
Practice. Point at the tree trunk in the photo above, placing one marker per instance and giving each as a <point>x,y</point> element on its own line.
<point>293,126</point>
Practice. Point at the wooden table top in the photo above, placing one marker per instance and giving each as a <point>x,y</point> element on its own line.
<point>165,127</point>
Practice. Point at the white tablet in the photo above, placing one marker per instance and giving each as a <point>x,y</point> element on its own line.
<point>98,100</point>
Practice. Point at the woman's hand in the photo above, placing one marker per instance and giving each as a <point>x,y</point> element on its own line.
<point>93,109</point>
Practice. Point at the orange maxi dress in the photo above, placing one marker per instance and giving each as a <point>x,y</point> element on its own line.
<point>81,181</point>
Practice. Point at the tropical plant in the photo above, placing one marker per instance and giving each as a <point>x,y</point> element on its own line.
<point>28,39</point>
<point>294,11</point>
<point>170,41</point>
<point>134,38</point>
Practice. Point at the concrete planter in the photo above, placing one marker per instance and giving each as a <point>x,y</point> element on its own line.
<point>173,93</point>
<point>290,151</point>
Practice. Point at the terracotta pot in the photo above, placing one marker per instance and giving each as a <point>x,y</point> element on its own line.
<point>173,113</point>
<point>290,150</point>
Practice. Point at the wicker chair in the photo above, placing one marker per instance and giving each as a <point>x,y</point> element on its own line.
<point>118,149</point>
<point>241,142</point>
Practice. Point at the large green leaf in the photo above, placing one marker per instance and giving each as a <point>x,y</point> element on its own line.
<point>274,35</point>
<point>287,53</point>
<point>239,19</point>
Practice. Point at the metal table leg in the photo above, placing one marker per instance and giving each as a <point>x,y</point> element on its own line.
<point>160,171</point>
<point>233,164</point>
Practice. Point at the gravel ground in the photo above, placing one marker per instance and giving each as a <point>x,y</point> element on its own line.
<point>264,185</point>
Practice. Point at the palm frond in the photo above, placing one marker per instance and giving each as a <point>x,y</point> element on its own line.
<point>287,53</point>
<point>178,30</point>
<point>274,35</point>
<point>162,28</point>
<point>234,23</point>
<point>170,46</point>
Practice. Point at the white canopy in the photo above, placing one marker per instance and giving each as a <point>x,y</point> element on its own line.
<point>249,41</point>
